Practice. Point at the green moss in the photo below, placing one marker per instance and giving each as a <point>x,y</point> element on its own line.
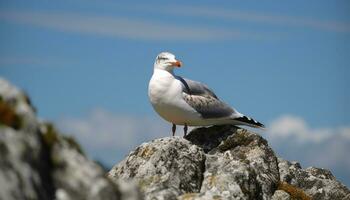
<point>294,192</point>
<point>73,143</point>
<point>8,116</point>
<point>239,139</point>
<point>52,136</point>
<point>242,137</point>
<point>148,181</point>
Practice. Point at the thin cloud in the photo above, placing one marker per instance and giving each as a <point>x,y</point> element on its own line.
<point>122,27</point>
<point>252,17</point>
<point>22,62</point>
<point>288,126</point>
<point>110,137</point>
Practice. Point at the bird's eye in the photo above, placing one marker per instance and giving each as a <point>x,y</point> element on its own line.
<point>161,58</point>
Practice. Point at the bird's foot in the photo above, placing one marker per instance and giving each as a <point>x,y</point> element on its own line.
<point>174,129</point>
<point>185,130</point>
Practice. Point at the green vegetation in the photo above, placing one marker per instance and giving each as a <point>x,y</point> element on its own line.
<point>73,143</point>
<point>51,137</point>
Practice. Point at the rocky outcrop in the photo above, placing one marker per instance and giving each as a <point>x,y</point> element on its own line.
<point>164,168</point>
<point>222,162</point>
<point>37,162</point>
<point>318,183</point>
<point>219,162</point>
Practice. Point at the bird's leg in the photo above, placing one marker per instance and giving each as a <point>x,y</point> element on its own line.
<point>174,129</point>
<point>185,130</point>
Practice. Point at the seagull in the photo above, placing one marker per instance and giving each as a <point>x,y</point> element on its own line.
<point>182,101</point>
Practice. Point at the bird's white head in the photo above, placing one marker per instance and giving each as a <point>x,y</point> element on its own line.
<point>166,61</point>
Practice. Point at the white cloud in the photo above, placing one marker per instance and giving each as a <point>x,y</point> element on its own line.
<point>252,17</point>
<point>20,61</point>
<point>293,139</point>
<point>288,126</point>
<point>110,137</point>
<point>122,27</point>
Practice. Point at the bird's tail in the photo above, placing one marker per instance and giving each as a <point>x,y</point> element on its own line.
<point>244,120</point>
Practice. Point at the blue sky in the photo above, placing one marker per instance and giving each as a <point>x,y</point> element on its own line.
<point>90,61</point>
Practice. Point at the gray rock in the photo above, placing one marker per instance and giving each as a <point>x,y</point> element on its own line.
<point>280,195</point>
<point>208,139</point>
<point>129,189</point>
<point>24,166</point>
<point>24,161</point>
<point>242,166</point>
<point>37,162</point>
<point>238,165</point>
<point>315,182</point>
<point>75,177</point>
<point>164,168</point>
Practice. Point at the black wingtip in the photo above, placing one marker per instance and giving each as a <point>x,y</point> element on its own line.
<point>250,122</point>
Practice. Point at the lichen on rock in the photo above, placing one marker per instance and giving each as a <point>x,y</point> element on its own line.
<point>315,182</point>
<point>164,167</point>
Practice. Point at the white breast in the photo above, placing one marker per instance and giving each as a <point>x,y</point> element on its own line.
<point>165,94</point>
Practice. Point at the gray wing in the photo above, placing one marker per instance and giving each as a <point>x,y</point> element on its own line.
<point>204,100</point>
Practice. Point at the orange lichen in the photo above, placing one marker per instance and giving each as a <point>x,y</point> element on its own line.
<point>8,116</point>
<point>294,192</point>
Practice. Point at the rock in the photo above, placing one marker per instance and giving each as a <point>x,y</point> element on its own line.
<point>24,161</point>
<point>280,195</point>
<point>129,190</point>
<point>238,164</point>
<point>24,166</point>
<point>315,182</point>
<point>77,177</point>
<point>242,166</point>
<point>37,162</point>
<point>208,139</point>
<point>164,168</point>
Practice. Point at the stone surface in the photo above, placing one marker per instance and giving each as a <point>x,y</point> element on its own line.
<point>75,177</point>
<point>280,195</point>
<point>37,162</point>
<point>238,164</point>
<point>315,182</point>
<point>129,190</point>
<point>24,161</point>
<point>164,168</point>
<point>242,166</point>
